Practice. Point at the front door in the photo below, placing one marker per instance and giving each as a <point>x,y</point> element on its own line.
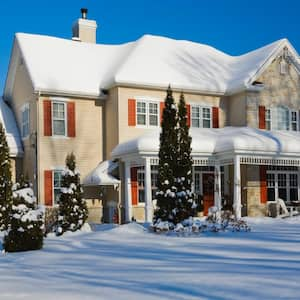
<point>208,191</point>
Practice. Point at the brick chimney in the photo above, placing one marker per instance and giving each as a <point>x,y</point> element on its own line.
<point>84,29</point>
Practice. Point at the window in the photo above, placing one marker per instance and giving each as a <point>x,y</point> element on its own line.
<point>294,120</point>
<point>268,119</point>
<point>141,183</point>
<point>201,117</point>
<point>147,113</point>
<point>57,181</point>
<point>283,67</point>
<point>282,184</point>
<point>59,118</point>
<point>25,121</point>
<point>281,118</point>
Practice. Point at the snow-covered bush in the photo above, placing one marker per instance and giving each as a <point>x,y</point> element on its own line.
<point>25,230</point>
<point>73,211</point>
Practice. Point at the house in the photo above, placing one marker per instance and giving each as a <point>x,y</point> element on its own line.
<point>104,103</point>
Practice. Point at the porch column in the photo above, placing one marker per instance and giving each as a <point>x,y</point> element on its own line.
<point>148,191</point>
<point>237,188</point>
<point>217,195</point>
<point>128,201</point>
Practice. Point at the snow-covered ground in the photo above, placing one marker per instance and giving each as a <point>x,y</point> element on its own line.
<point>127,262</point>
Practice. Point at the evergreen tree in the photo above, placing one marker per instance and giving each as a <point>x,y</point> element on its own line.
<point>73,211</point>
<point>185,205</point>
<point>168,151</point>
<point>5,181</point>
<point>26,226</point>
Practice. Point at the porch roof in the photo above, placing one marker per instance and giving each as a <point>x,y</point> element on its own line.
<point>207,142</point>
<point>101,175</point>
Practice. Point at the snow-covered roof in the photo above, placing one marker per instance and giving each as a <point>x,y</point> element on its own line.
<point>66,66</point>
<point>101,174</point>
<point>219,141</point>
<point>12,133</point>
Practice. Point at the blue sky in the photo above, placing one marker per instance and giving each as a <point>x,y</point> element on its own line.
<point>233,26</point>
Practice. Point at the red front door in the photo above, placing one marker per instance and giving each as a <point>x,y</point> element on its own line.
<point>208,191</point>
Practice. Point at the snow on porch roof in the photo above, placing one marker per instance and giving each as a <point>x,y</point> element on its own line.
<point>11,130</point>
<point>222,140</point>
<point>66,66</point>
<point>101,175</point>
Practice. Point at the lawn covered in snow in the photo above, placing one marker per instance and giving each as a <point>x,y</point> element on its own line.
<point>126,262</point>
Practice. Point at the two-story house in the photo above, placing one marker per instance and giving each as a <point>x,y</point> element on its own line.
<point>105,102</point>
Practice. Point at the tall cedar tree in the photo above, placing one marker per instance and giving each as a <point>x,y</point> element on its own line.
<point>73,211</point>
<point>5,181</point>
<point>185,205</point>
<point>168,151</point>
<point>26,221</point>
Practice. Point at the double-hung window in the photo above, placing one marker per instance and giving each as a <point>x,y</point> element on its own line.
<point>59,118</point>
<point>57,184</point>
<point>25,121</point>
<point>201,117</point>
<point>147,113</point>
<point>281,118</point>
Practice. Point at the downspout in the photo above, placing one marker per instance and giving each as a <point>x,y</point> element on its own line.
<point>37,179</point>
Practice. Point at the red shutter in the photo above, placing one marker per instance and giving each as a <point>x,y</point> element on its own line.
<point>162,107</point>
<point>215,117</point>
<point>134,186</point>
<point>47,118</point>
<point>48,185</point>
<point>71,119</point>
<point>131,112</point>
<point>188,112</point>
<point>263,184</point>
<point>262,117</point>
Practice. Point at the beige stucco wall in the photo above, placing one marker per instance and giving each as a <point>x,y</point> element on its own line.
<point>87,145</point>
<point>22,94</point>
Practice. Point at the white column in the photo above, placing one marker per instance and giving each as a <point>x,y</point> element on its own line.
<point>237,188</point>
<point>217,195</point>
<point>148,192</point>
<point>128,201</point>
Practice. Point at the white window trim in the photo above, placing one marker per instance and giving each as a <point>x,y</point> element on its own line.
<point>25,107</point>
<point>59,101</point>
<point>147,101</point>
<point>201,107</point>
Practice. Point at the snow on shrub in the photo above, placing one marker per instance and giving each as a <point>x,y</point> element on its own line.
<point>73,211</point>
<point>25,231</point>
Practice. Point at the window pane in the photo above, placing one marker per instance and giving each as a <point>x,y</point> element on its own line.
<point>141,107</point>
<point>206,113</point>
<point>195,123</point>
<point>59,127</point>
<point>141,119</point>
<point>206,123</point>
<point>293,194</point>
<point>282,118</point>
<point>58,110</point>
<point>282,193</point>
<point>153,108</point>
<point>271,194</point>
<point>153,120</point>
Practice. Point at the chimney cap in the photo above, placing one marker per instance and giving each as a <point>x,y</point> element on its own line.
<point>84,12</point>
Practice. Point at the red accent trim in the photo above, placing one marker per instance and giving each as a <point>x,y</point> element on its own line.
<point>188,112</point>
<point>71,119</point>
<point>263,184</point>
<point>262,117</point>
<point>131,112</point>
<point>48,185</point>
<point>162,107</point>
<point>47,118</point>
<point>215,117</point>
<point>134,186</point>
